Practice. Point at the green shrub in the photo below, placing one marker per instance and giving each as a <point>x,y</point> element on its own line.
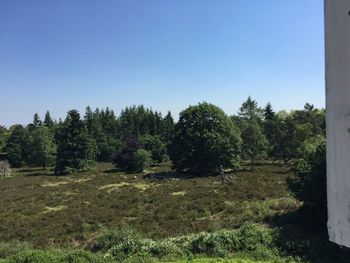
<point>250,238</point>
<point>155,146</point>
<point>165,248</point>
<point>37,256</point>
<point>57,256</point>
<point>112,238</point>
<point>143,160</point>
<point>311,183</point>
<point>8,249</point>
<point>124,250</point>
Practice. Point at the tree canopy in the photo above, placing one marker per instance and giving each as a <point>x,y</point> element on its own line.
<point>205,140</point>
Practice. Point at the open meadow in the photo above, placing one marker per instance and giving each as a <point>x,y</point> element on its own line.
<point>43,211</point>
<point>70,210</point>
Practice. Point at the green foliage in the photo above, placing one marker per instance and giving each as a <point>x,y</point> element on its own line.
<point>103,127</point>
<point>126,157</point>
<point>41,147</point>
<point>285,139</point>
<point>107,148</point>
<point>205,140</point>
<point>36,122</point>
<point>223,243</point>
<point>248,238</point>
<point>311,183</point>
<point>76,149</point>
<point>254,141</point>
<point>110,238</point>
<point>138,121</point>
<point>48,121</point>
<point>56,256</point>
<point>169,127</point>
<point>250,110</point>
<point>16,146</point>
<point>9,249</point>
<point>269,114</point>
<point>4,134</point>
<point>143,160</point>
<point>155,146</point>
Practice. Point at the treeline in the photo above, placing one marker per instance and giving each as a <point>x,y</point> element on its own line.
<point>204,140</point>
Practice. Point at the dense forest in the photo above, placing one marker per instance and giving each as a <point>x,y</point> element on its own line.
<point>139,137</point>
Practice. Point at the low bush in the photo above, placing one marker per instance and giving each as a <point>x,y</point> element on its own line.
<point>251,238</point>
<point>56,256</point>
<point>143,160</point>
<point>112,238</point>
<point>8,249</point>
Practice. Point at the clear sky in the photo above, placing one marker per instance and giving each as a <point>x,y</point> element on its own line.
<point>165,54</point>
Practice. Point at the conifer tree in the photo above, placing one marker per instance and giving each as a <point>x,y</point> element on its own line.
<point>169,126</point>
<point>76,149</point>
<point>250,110</point>
<point>48,121</point>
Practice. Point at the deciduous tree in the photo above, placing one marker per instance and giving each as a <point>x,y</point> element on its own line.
<point>205,140</point>
<point>255,143</point>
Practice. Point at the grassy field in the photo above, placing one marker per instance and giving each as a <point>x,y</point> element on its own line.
<point>43,209</point>
<point>72,211</point>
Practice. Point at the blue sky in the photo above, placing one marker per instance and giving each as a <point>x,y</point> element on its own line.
<point>165,54</point>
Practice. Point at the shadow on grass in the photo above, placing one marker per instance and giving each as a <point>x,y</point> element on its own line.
<point>30,170</point>
<point>41,174</point>
<point>301,235</point>
<point>170,175</point>
<point>118,170</point>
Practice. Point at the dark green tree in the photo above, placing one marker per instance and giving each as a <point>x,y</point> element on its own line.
<point>42,149</point>
<point>36,122</point>
<point>205,140</point>
<point>250,110</point>
<point>269,114</point>
<point>102,126</point>
<point>48,121</point>
<point>16,146</point>
<point>138,120</point>
<point>169,126</point>
<point>255,143</point>
<point>270,126</point>
<point>155,146</point>
<point>310,184</point>
<point>126,158</point>
<point>285,139</point>
<point>4,135</point>
<point>143,160</point>
<point>107,148</point>
<point>76,149</point>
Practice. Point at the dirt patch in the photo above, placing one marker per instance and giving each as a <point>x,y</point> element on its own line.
<point>49,209</point>
<point>50,184</point>
<point>112,187</point>
<point>181,193</point>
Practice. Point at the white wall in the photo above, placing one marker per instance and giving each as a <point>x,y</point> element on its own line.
<point>337,28</point>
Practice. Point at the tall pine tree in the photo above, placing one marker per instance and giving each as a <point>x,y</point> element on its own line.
<point>76,149</point>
